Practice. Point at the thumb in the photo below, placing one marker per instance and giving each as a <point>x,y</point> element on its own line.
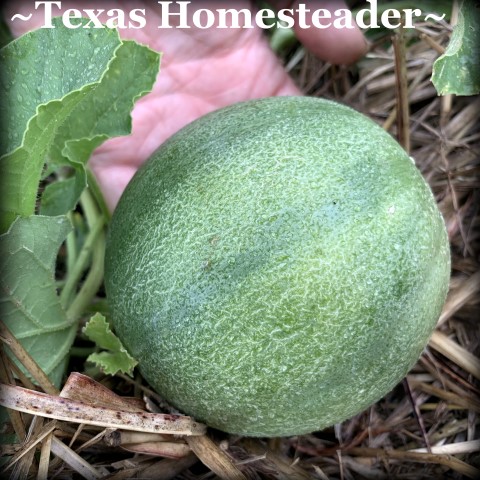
<point>335,45</point>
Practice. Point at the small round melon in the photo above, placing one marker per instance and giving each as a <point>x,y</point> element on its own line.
<point>277,266</point>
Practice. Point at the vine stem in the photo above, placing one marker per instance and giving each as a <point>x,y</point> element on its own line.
<point>95,221</point>
<point>71,244</point>
<point>81,261</point>
<point>96,192</point>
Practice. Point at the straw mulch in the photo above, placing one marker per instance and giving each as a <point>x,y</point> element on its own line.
<point>427,428</point>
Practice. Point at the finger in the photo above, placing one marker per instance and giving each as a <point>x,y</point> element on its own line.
<point>332,44</point>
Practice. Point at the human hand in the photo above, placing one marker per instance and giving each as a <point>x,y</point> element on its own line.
<point>201,71</point>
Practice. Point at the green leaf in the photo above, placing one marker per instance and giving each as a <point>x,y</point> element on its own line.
<point>21,170</point>
<point>66,92</point>
<point>103,112</point>
<point>116,358</point>
<point>30,306</point>
<point>457,71</point>
<point>47,64</point>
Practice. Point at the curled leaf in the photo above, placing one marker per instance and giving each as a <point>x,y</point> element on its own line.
<point>457,71</point>
<point>64,92</point>
<point>115,357</point>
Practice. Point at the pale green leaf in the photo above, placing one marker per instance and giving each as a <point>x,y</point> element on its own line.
<point>30,306</point>
<point>21,169</point>
<point>75,116</point>
<point>457,71</point>
<point>47,64</point>
<point>103,113</point>
<point>114,357</point>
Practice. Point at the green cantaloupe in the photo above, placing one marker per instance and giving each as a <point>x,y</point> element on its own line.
<point>277,266</point>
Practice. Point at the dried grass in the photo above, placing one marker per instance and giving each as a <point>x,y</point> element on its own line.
<point>426,428</point>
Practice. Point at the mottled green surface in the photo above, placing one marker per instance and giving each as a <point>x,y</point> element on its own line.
<point>277,266</point>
